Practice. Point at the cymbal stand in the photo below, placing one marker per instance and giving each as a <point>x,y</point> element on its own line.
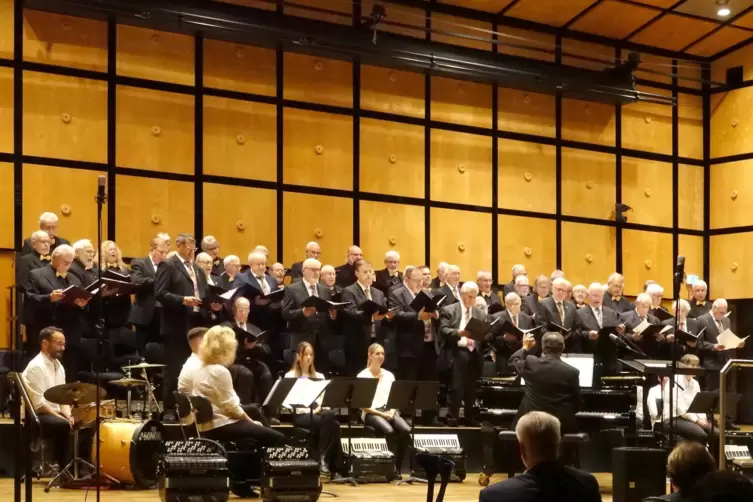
<point>75,462</point>
<point>128,396</point>
<point>150,392</point>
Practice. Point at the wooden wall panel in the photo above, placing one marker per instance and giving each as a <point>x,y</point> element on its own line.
<point>527,174</point>
<point>412,21</point>
<point>731,123</point>
<point>65,117</point>
<point>7,207</point>
<point>739,57</point>
<point>529,241</point>
<point>653,63</point>
<point>328,221</point>
<point>459,102</point>
<point>155,130</point>
<point>155,55</point>
<point>526,112</point>
<point>690,126</point>
<point>392,158</point>
<point>53,188</point>
<point>7,277</point>
<point>647,188</point>
<point>524,43</point>
<point>731,271</point>
<point>691,247</point>
<point>241,68</point>
<point>647,126</point>
<point>461,31</point>
<point>588,184</point>
<point>588,252</point>
<point>6,110</point>
<point>6,29</point>
<point>144,207</point>
<point>65,40</point>
<point>241,218</point>
<point>344,9</point>
<point>461,238</point>
<point>646,255</point>
<point>588,122</point>
<point>690,197</point>
<point>732,194</point>
<point>392,91</point>
<point>318,80</point>
<point>461,168</point>
<point>256,4</point>
<point>240,139</point>
<point>385,227</point>
<point>318,149</point>
<point>586,55</point>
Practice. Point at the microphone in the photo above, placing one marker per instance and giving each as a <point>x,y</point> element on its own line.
<point>101,186</point>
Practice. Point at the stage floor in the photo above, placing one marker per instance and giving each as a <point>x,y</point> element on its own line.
<point>456,492</point>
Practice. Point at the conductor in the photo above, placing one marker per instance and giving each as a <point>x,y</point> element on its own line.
<point>551,385</point>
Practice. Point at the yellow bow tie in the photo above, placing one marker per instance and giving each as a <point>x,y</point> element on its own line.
<point>616,298</point>
<point>701,303</point>
<point>45,257</point>
<point>61,274</point>
<point>542,298</point>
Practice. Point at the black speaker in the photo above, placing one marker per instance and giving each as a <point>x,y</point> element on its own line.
<point>734,76</point>
<point>638,473</point>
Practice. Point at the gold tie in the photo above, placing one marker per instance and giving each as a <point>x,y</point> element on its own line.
<point>561,310</point>
<point>45,257</point>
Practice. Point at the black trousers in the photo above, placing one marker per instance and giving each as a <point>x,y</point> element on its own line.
<point>58,431</point>
<point>466,370</point>
<point>326,431</point>
<point>148,334</point>
<point>245,429</point>
<point>396,431</point>
<point>422,368</point>
<point>694,432</point>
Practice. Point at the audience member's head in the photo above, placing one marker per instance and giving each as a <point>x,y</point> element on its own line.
<point>688,463</point>
<point>539,436</point>
<point>723,486</point>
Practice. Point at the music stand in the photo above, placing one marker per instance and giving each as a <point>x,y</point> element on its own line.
<point>435,465</point>
<point>707,403</point>
<point>413,395</point>
<point>350,393</point>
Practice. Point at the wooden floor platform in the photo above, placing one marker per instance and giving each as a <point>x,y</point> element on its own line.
<point>456,492</point>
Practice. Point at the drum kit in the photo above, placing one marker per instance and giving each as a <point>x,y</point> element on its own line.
<point>129,447</point>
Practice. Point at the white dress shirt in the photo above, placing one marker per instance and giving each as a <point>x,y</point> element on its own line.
<point>654,393</point>
<point>41,374</point>
<point>463,341</point>
<point>213,382</point>
<point>185,379</point>
<point>308,287</point>
<point>382,391</point>
<point>683,397</point>
<point>291,374</point>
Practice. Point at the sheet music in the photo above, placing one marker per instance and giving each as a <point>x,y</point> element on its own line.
<point>229,295</point>
<point>585,364</point>
<point>729,340</point>
<point>305,392</point>
<point>641,327</point>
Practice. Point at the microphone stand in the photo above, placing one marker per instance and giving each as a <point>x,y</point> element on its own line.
<point>99,328</point>
<point>679,273</point>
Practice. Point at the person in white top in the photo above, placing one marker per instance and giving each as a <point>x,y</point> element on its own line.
<point>323,423</point>
<point>690,426</point>
<point>654,394</point>
<point>388,422</point>
<point>212,380</point>
<point>41,374</point>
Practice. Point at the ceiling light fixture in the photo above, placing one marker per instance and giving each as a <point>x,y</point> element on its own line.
<point>723,12</point>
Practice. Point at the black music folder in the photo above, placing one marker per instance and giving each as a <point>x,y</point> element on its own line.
<point>426,302</point>
<point>508,328</point>
<point>73,293</point>
<point>559,329</point>
<point>321,304</point>
<point>662,314</point>
<point>494,308</point>
<point>217,294</point>
<point>479,329</point>
<point>371,307</point>
<point>687,337</point>
<point>654,329</point>
<point>244,336</point>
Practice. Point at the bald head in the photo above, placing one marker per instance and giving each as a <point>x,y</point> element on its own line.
<point>354,254</point>
<point>313,250</point>
<point>718,308</point>
<point>241,308</point>
<point>49,223</point>
<point>392,261</point>
<point>595,294</point>
<point>328,275</point>
<point>311,268</point>
<point>62,258</point>
<point>452,276</point>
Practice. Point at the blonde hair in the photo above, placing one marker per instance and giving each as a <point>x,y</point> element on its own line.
<point>540,432</point>
<point>218,346</point>
<point>372,348</point>
<point>99,259</point>
<point>691,360</point>
<point>299,352</point>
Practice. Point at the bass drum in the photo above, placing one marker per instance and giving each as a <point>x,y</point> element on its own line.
<point>130,451</point>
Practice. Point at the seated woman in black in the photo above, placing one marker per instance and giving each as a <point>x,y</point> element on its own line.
<point>387,422</point>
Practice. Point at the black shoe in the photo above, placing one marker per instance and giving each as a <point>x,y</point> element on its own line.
<point>323,467</point>
<point>274,421</point>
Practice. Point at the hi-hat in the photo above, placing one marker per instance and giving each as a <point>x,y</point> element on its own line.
<point>142,366</point>
<point>129,382</point>
<point>77,392</point>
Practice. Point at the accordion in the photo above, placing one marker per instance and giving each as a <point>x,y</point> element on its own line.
<point>369,459</point>
<point>193,471</point>
<point>443,445</point>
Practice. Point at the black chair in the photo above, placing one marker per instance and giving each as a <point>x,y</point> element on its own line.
<point>102,364</point>
<point>570,444</point>
<point>125,347</point>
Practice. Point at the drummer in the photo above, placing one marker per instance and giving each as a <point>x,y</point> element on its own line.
<point>42,373</point>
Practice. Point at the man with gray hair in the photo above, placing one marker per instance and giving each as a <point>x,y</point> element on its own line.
<point>38,257</point>
<point>558,314</point>
<point>545,478</point>
<point>389,276</point>
<point>714,355</point>
<point>504,343</point>
<point>461,353</point>
<point>684,323</point>
<point>522,287</point>
<point>649,345</point>
<point>532,304</point>
<point>346,273</point>
<point>517,271</point>
<point>232,266</point>
<point>48,222</point>
<point>613,298</point>
<point>485,291</point>
<point>146,312</point>
<point>451,288</point>
<point>552,385</point>
<point>699,304</point>
<point>439,280</point>
<point>210,246</point>
<point>312,251</point>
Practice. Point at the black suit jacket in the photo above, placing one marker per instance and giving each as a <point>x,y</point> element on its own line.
<point>435,284</point>
<point>356,323</point>
<point>300,327</point>
<point>532,306</point>
<point>697,310</point>
<point>218,267</point>
<point>145,303</point>
<point>589,323</point>
<point>508,288</point>
<point>620,306</point>
<point>550,314</point>
<point>552,386</point>
<point>86,277</point>
<point>345,275</point>
<point>40,311</point>
<point>543,483</point>
<point>383,281</point>
<point>445,290</point>
<point>502,348</point>
<point>649,345</point>
<point>409,330</point>
<point>691,326</point>
<point>711,359</point>
<point>267,317</point>
<point>172,283</point>
<point>492,299</point>
<point>59,241</point>
<point>296,271</point>
<point>449,324</point>
<point>26,264</point>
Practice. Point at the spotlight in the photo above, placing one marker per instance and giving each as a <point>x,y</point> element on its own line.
<point>723,12</point>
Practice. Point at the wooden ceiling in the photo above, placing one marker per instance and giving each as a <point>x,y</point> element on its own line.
<point>688,26</point>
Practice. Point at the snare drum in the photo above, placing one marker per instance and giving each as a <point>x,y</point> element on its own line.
<point>130,450</point>
<point>86,414</point>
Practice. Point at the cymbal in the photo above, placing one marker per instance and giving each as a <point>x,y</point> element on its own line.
<point>78,392</point>
<point>141,366</point>
<point>129,382</point>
